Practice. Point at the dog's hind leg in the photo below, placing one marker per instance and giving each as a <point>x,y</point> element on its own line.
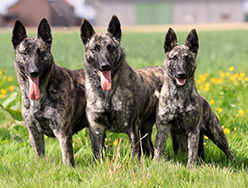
<point>180,143</point>
<point>37,141</point>
<point>212,129</point>
<point>201,153</point>
<point>147,145</point>
<point>146,133</point>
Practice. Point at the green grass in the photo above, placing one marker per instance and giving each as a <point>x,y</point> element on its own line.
<point>218,51</point>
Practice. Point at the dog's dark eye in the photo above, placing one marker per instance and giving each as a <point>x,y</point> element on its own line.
<point>187,59</point>
<point>96,48</point>
<point>110,48</point>
<point>40,52</point>
<point>24,53</point>
<point>174,58</point>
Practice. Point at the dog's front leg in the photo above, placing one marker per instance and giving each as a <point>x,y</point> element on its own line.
<point>65,140</point>
<point>97,138</point>
<point>37,141</point>
<point>163,130</point>
<point>193,144</point>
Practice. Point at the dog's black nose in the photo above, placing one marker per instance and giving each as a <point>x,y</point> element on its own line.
<point>105,66</point>
<point>34,72</point>
<point>181,74</point>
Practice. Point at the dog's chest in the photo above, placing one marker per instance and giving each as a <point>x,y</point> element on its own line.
<point>111,120</point>
<point>112,110</point>
<point>44,116</point>
<point>117,99</point>
<point>180,114</point>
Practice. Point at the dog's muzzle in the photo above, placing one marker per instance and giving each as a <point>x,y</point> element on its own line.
<point>180,78</point>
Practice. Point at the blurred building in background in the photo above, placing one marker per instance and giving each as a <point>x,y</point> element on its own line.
<point>30,12</point>
<point>130,12</point>
<point>150,12</point>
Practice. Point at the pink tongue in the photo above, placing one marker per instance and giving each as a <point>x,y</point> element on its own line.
<point>34,91</point>
<point>180,82</point>
<point>106,82</point>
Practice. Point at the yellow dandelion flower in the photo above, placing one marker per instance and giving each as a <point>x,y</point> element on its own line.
<point>242,74</point>
<point>0,72</point>
<point>241,112</point>
<point>227,74</point>
<point>213,80</point>
<point>205,137</point>
<point>247,110</point>
<point>207,85</point>
<point>1,96</point>
<point>222,74</point>
<point>203,78</point>
<point>235,129</point>
<point>237,115</point>
<point>211,101</point>
<point>198,81</point>
<point>206,88</point>
<point>201,87</point>
<point>246,78</point>
<point>226,130</point>
<point>240,78</point>
<point>219,109</point>
<point>236,75</point>
<point>232,78</point>
<point>11,88</point>
<point>205,143</point>
<point>115,142</point>
<point>220,80</point>
<point>206,74</point>
<point>231,68</point>
<point>3,91</point>
<point>9,79</point>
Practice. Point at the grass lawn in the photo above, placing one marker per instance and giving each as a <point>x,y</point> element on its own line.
<point>221,77</point>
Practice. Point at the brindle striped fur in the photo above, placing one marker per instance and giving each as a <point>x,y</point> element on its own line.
<point>182,111</point>
<point>130,105</point>
<point>60,109</point>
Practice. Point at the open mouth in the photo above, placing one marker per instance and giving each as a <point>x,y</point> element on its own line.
<point>180,81</point>
<point>34,91</point>
<point>106,82</point>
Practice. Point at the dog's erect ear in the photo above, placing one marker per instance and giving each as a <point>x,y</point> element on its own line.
<point>18,34</point>
<point>115,27</point>
<point>170,40</point>
<point>192,41</point>
<point>44,31</point>
<point>87,31</point>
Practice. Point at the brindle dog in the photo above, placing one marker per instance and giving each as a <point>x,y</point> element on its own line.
<point>119,98</point>
<point>53,98</point>
<point>182,111</point>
